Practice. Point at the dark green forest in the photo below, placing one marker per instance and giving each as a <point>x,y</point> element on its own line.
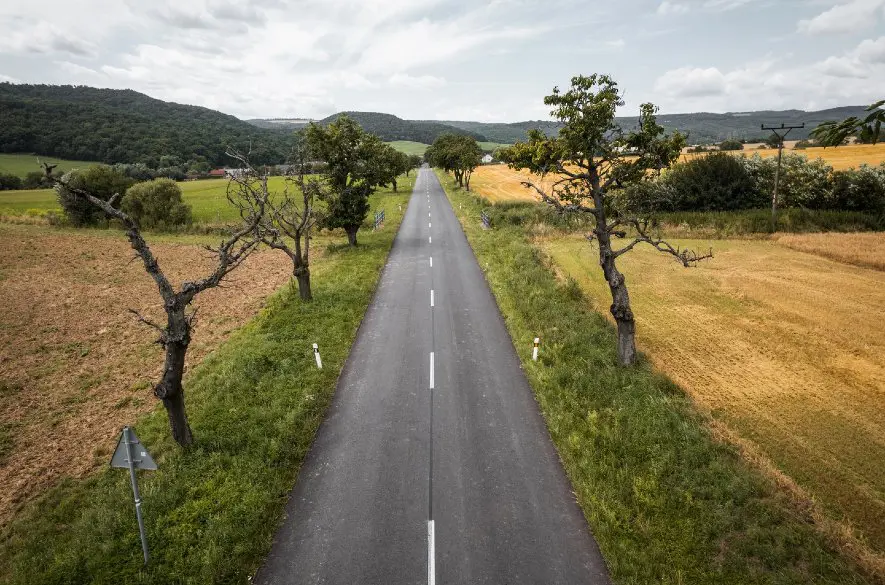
<point>124,126</point>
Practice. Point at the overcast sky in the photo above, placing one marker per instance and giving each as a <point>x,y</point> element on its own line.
<point>452,59</point>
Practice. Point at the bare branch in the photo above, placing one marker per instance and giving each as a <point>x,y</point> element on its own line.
<point>686,256</point>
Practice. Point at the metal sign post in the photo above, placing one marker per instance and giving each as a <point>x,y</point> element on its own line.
<point>130,454</point>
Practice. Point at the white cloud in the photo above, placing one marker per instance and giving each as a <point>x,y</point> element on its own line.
<point>691,82</point>
<point>45,37</point>
<point>667,7</point>
<point>416,82</point>
<point>8,79</point>
<point>852,17</point>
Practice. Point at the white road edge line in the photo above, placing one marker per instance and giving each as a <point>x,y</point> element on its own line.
<point>431,370</point>
<point>431,561</point>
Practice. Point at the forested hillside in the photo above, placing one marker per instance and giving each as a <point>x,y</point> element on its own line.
<point>390,128</point>
<point>110,125</point>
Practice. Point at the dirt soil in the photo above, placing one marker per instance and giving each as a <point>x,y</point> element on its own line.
<point>75,365</point>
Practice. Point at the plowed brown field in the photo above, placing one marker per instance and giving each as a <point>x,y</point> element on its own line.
<point>786,348</point>
<point>74,364</point>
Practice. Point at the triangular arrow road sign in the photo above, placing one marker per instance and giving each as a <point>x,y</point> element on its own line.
<point>140,457</point>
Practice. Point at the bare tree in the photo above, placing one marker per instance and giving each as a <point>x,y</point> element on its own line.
<point>591,157</point>
<point>290,219</point>
<point>175,336</point>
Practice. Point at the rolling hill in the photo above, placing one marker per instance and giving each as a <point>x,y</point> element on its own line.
<point>386,126</point>
<point>702,128</point>
<point>111,126</point>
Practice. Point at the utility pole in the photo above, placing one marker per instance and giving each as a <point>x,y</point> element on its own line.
<point>781,133</point>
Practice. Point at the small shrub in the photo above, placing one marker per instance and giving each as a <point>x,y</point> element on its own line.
<point>861,189</point>
<point>731,145</point>
<point>9,182</point>
<point>157,204</point>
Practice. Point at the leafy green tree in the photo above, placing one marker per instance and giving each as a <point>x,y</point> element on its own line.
<point>353,170</point>
<point>415,161</point>
<point>392,164</point>
<point>867,130</point>
<point>590,158</point>
<point>101,181</point>
<point>456,154</point>
<point>156,204</point>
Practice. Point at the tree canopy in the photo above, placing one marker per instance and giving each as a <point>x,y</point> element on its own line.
<point>867,129</point>
<point>456,154</point>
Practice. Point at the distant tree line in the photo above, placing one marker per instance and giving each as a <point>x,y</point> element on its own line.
<point>123,126</point>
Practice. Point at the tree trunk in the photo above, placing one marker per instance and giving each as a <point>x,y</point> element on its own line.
<point>394,185</point>
<point>170,389</point>
<point>302,275</point>
<point>351,234</point>
<point>620,308</point>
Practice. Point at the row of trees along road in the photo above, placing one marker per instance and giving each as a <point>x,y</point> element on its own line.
<point>456,154</point>
<point>356,163</point>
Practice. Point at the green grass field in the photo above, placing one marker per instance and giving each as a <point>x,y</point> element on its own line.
<point>409,147</point>
<point>254,406</point>
<point>206,198</point>
<point>491,146</point>
<point>22,164</point>
<point>666,501</point>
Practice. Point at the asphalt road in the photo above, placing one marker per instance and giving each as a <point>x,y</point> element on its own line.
<point>433,464</point>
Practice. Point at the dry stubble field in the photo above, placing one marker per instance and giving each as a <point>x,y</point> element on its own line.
<point>71,356</point>
<point>786,348</point>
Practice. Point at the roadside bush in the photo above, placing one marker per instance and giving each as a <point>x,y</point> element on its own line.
<point>157,204</point>
<point>731,145</point>
<point>861,189</point>
<point>803,144</point>
<point>717,182</point>
<point>9,182</point>
<point>100,180</point>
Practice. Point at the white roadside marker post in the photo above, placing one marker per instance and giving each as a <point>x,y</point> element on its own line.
<point>535,349</point>
<point>316,354</point>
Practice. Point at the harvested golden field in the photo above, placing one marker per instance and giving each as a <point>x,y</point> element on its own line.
<point>787,349</point>
<point>75,366</point>
<point>861,249</point>
<point>499,183</point>
<point>841,158</point>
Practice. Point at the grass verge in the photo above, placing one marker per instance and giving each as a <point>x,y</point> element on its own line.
<point>667,502</point>
<point>254,406</point>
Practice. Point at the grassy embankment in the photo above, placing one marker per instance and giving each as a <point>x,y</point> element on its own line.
<point>254,405</point>
<point>667,500</point>
<point>22,164</point>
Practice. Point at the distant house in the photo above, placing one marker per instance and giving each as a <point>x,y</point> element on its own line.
<point>487,159</point>
<point>216,173</point>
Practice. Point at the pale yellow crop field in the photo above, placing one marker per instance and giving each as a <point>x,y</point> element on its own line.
<point>786,348</point>
<point>498,183</point>
<point>841,158</point>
